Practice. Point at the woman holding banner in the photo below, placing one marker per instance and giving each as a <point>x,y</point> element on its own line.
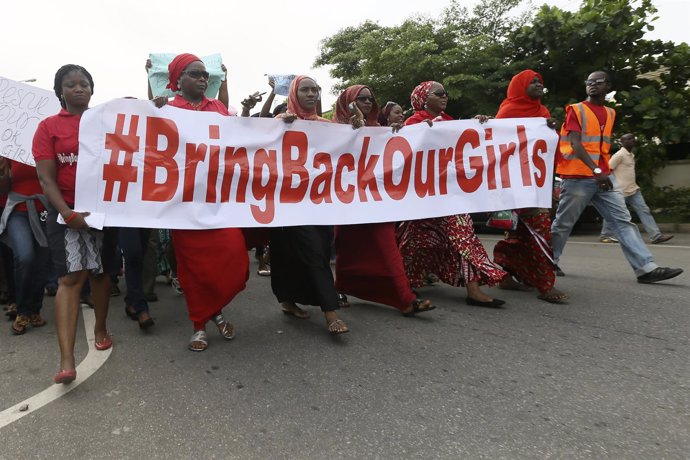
<point>526,252</point>
<point>205,256</point>
<point>300,255</point>
<point>78,251</point>
<point>368,262</point>
<point>445,246</point>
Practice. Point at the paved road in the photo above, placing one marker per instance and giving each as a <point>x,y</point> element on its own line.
<point>606,376</point>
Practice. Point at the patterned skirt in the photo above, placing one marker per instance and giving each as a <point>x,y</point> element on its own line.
<point>526,252</point>
<point>447,247</point>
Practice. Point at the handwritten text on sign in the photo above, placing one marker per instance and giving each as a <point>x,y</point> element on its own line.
<point>173,168</point>
<point>22,107</point>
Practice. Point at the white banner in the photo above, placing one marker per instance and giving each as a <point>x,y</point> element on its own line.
<point>22,107</point>
<point>170,168</point>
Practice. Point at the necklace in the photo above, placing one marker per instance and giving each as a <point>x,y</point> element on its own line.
<point>195,105</point>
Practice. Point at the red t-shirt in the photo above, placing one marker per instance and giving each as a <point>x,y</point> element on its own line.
<point>25,182</point>
<point>57,138</point>
<point>573,124</point>
<point>207,105</point>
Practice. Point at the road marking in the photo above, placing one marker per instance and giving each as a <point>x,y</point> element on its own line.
<point>93,361</point>
<point>613,245</point>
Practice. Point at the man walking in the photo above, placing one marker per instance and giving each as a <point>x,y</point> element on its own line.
<point>622,163</point>
<point>585,145</point>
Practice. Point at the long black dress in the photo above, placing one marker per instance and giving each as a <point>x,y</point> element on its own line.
<point>300,266</point>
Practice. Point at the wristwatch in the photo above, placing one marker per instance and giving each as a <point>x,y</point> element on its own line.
<point>597,171</point>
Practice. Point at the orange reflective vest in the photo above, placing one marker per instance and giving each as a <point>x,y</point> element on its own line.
<point>596,141</point>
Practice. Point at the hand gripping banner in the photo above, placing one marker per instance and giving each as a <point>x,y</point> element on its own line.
<point>141,166</point>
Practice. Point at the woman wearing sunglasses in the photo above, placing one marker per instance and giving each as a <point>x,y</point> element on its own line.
<point>203,256</point>
<point>445,246</point>
<point>368,262</point>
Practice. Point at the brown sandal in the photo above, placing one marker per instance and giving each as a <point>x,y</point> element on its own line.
<point>337,326</point>
<point>290,309</point>
<point>36,320</point>
<point>419,306</point>
<point>19,325</point>
<point>553,296</point>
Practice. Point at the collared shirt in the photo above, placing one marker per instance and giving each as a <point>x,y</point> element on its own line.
<point>623,165</point>
<point>57,138</point>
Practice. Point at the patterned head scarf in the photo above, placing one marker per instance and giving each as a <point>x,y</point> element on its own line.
<point>420,94</point>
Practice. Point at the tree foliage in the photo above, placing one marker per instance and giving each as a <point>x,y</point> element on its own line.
<point>475,53</point>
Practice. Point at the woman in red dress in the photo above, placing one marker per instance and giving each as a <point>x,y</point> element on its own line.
<point>368,262</point>
<point>445,246</point>
<point>526,252</point>
<point>212,265</point>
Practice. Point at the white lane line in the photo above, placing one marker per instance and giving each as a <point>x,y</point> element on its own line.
<point>93,361</point>
<point>613,245</point>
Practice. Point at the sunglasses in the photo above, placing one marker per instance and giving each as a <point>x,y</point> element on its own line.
<point>598,81</point>
<point>440,93</point>
<point>196,74</point>
<point>366,98</point>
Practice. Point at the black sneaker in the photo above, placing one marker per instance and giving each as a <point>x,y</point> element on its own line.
<point>659,274</point>
<point>558,270</point>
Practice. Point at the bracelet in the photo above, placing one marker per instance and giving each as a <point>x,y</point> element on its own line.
<point>71,217</point>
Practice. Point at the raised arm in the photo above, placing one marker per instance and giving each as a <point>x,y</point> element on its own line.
<point>223,90</point>
<point>266,108</point>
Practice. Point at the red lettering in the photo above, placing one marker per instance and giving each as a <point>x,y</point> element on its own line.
<point>264,192</point>
<point>235,157</point>
<point>322,180</point>
<point>424,185</point>
<point>524,157</point>
<point>366,178</point>
<point>491,156</point>
<point>212,182</point>
<point>445,157</point>
<point>394,145</point>
<point>476,163</point>
<point>538,161</point>
<point>164,159</point>
<point>292,167</point>
<point>506,151</point>
<point>344,194</point>
<point>195,154</point>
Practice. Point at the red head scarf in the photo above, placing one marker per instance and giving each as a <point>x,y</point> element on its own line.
<point>518,104</point>
<point>177,66</point>
<point>293,101</point>
<point>420,94</point>
<point>342,112</point>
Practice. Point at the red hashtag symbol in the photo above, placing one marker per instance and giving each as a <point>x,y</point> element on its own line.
<point>120,142</point>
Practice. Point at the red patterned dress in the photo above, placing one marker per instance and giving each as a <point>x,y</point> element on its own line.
<point>445,246</point>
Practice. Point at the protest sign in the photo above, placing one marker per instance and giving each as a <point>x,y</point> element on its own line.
<point>22,107</point>
<point>174,168</point>
<point>158,74</point>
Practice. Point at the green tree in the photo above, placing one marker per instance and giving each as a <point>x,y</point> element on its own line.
<point>461,49</point>
<point>608,35</point>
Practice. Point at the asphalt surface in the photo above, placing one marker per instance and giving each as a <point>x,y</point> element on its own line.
<point>605,376</point>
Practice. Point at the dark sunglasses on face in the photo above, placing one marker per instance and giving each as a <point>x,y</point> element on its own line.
<point>196,74</point>
<point>598,81</point>
<point>440,93</point>
<point>365,99</point>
